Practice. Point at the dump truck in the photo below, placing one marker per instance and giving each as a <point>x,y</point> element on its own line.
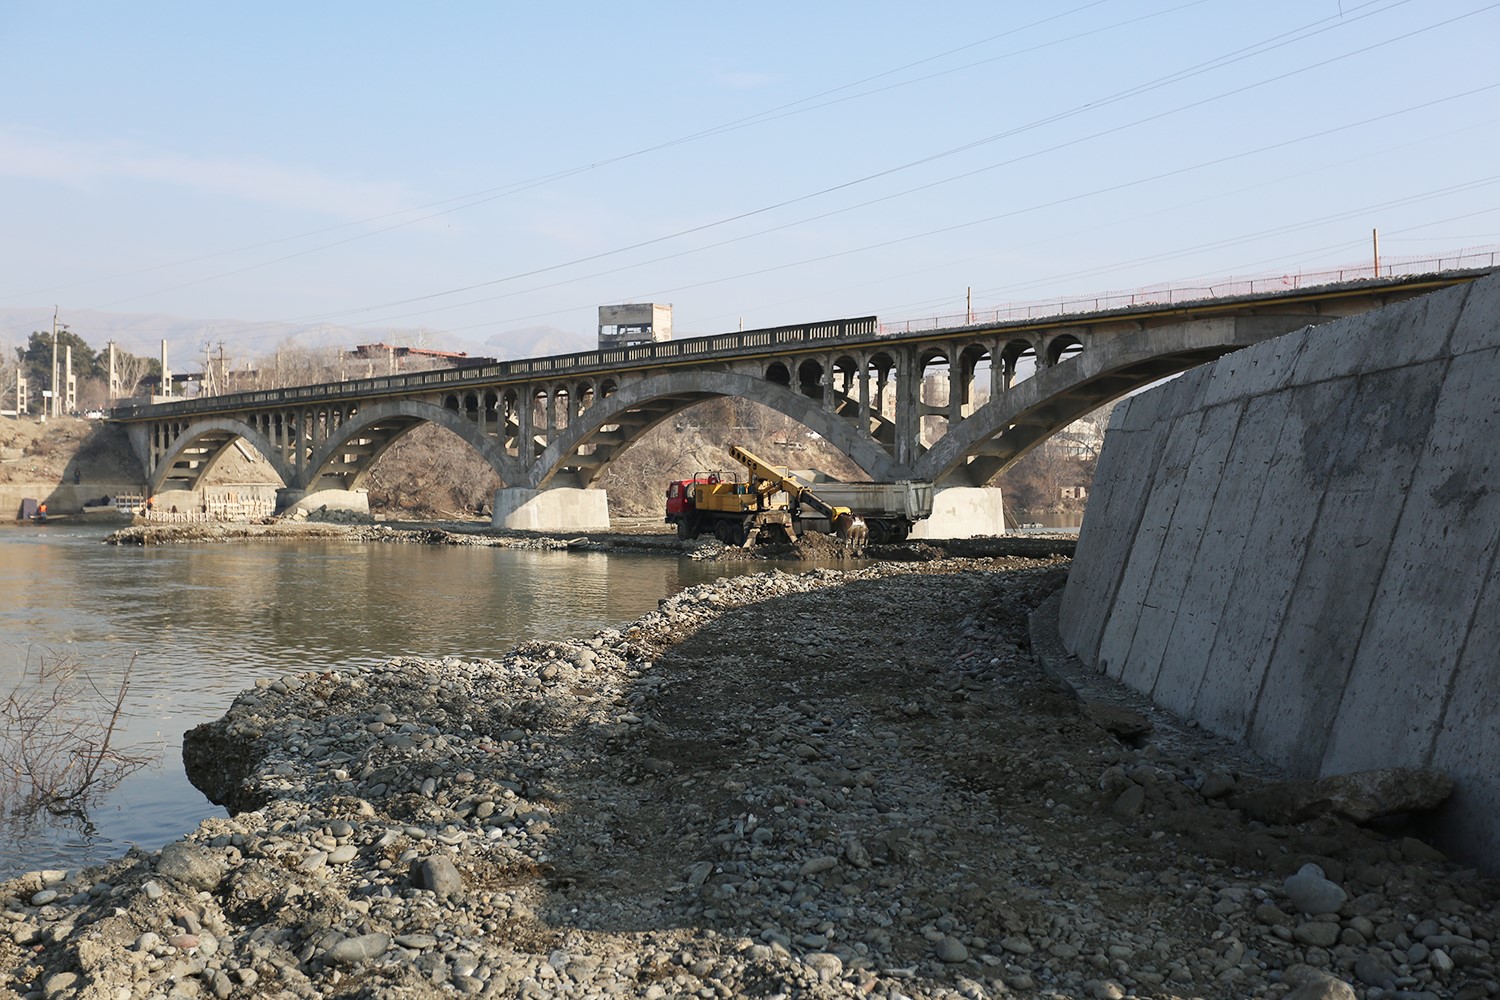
<point>889,510</point>
<point>741,512</point>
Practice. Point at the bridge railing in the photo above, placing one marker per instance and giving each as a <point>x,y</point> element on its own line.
<point>579,363</point>
<point>764,341</point>
<point>1228,288</point>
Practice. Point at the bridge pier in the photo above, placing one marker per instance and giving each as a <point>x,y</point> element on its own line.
<point>357,501</point>
<point>562,509</point>
<point>963,512</point>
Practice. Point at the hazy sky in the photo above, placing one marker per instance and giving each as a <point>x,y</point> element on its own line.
<point>477,168</point>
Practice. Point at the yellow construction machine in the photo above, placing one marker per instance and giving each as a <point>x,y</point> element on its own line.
<point>741,513</point>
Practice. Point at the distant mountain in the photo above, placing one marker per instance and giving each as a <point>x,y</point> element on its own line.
<point>535,342</point>
<point>244,341</point>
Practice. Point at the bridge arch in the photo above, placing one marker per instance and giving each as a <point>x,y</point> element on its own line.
<point>971,357</point>
<point>343,461</point>
<point>1062,347</point>
<point>1012,354</point>
<point>1010,425</point>
<point>192,454</point>
<point>811,378</point>
<point>615,422</point>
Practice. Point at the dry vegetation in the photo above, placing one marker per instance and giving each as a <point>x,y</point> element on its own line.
<point>698,438</point>
<point>59,740</point>
<point>430,472</point>
<point>35,452</point>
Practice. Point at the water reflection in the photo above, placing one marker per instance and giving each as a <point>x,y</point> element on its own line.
<point>202,622</point>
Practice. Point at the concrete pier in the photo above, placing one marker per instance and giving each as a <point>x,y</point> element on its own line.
<point>521,509</point>
<point>963,512</point>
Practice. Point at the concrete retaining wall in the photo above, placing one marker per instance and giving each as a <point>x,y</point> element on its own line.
<point>61,498</point>
<point>1296,546</point>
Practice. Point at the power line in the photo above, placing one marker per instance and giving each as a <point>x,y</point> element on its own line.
<point>1257,49</point>
<point>1277,181</point>
<point>1274,42</point>
<point>973,222</point>
<point>473,199</point>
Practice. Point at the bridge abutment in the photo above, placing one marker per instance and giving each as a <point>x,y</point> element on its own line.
<point>963,512</point>
<point>561,509</point>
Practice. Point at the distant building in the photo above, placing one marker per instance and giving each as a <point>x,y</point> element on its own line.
<point>393,356</point>
<point>634,323</point>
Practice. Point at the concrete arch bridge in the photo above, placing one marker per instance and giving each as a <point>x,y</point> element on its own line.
<point>955,405</point>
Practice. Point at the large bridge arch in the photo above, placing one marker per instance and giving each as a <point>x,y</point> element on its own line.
<point>638,406</point>
<point>343,461</point>
<point>1010,425</point>
<point>194,452</point>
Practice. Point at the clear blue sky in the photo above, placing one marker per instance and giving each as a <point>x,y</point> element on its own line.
<point>359,163</point>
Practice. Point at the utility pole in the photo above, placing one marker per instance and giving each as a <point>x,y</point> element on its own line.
<point>1375,246</point>
<point>969,306</point>
<point>52,403</point>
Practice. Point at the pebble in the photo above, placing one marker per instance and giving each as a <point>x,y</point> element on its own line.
<point>817,835</point>
<point>1311,892</point>
<point>828,966</point>
<point>1017,945</point>
<point>361,948</point>
<point>816,866</point>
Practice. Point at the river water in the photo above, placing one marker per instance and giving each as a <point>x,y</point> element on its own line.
<point>201,622</point>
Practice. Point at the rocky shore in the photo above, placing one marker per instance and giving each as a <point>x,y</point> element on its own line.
<point>832,784</point>
<point>633,538</point>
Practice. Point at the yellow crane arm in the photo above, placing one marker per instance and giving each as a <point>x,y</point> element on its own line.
<point>839,517</point>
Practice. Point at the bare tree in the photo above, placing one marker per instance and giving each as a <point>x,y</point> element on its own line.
<point>431,471</point>
<point>293,365</point>
<point>60,739</point>
<point>131,369</point>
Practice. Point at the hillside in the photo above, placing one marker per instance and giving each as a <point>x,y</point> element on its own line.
<point>243,341</point>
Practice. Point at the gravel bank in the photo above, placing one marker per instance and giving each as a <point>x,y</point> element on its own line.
<point>821,785</point>
<point>638,537</point>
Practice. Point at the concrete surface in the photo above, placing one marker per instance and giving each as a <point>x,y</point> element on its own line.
<point>61,498</point>
<point>561,509</point>
<point>1296,546</point>
<point>963,512</point>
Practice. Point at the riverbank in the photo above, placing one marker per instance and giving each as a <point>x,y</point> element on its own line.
<point>817,785</point>
<point>634,537</point>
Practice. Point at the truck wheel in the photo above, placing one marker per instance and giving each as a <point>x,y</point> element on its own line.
<point>687,529</point>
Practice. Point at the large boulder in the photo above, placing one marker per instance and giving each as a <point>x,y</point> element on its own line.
<point>1360,796</point>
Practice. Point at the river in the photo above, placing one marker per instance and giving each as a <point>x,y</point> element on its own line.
<point>201,622</point>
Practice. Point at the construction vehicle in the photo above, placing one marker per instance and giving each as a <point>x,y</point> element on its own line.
<point>889,510</point>
<point>740,513</point>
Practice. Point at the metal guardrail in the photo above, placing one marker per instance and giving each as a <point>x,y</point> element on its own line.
<point>746,341</point>
<point>1229,288</point>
